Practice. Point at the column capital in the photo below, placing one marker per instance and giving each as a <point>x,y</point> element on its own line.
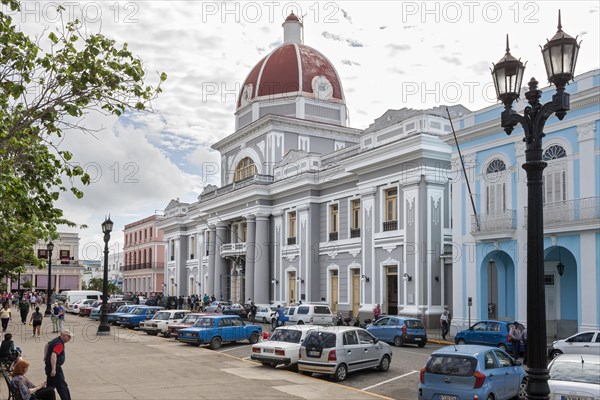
<point>262,216</point>
<point>250,217</point>
<point>586,132</point>
<point>303,207</point>
<point>221,225</point>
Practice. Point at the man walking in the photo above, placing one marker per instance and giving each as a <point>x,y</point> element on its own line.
<point>445,324</point>
<point>515,339</point>
<point>24,310</point>
<point>54,356</point>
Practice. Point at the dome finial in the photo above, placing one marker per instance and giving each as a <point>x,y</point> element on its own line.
<point>507,46</point>
<point>559,23</point>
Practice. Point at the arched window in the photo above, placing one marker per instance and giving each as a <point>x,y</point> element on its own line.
<point>555,174</point>
<point>495,189</point>
<point>245,169</point>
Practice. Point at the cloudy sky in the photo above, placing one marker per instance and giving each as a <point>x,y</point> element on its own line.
<point>389,55</point>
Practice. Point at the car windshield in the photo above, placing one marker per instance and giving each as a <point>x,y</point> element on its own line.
<point>122,309</point>
<point>451,365</point>
<point>575,372</point>
<point>413,324</point>
<point>324,340</point>
<point>139,311</point>
<point>204,323</point>
<point>286,335</point>
<point>162,316</point>
<point>190,319</point>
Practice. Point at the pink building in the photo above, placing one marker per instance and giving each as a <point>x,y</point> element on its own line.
<point>143,270</point>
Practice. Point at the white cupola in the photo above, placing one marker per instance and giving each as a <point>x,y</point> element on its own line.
<point>292,30</point>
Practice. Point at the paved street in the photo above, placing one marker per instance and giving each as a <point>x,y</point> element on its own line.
<point>132,365</point>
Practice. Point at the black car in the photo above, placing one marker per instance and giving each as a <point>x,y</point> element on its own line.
<point>236,309</point>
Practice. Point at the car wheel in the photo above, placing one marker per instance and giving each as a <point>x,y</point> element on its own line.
<point>264,320</point>
<point>148,333</point>
<point>555,353</point>
<point>340,373</point>
<point>398,342</point>
<point>490,397</point>
<point>422,344</point>
<point>215,343</point>
<point>307,373</point>
<point>254,338</point>
<point>300,322</point>
<point>461,341</point>
<point>502,346</point>
<point>384,364</point>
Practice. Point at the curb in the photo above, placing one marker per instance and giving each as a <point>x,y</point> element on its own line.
<point>440,341</point>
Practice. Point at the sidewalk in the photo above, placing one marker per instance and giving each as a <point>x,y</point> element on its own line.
<point>132,365</point>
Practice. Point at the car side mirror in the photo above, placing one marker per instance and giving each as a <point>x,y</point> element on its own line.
<point>517,362</point>
<point>376,340</point>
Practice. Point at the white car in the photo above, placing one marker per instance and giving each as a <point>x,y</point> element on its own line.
<point>582,343</point>
<point>316,314</point>
<point>161,321</point>
<point>575,376</point>
<point>263,314</point>
<point>81,303</point>
<point>282,347</point>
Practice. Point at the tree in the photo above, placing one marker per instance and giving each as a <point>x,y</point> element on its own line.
<point>96,284</point>
<point>43,94</point>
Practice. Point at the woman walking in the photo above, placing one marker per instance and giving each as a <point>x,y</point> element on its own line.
<point>5,316</point>
<point>36,321</point>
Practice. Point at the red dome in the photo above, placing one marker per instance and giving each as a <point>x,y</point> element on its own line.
<point>292,17</point>
<point>281,72</point>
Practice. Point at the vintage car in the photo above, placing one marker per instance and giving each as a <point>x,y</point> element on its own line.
<point>216,329</point>
<point>282,347</point>
<point>186,322</point>
<point>124,309</point>
<point>161,321</point>
<point>137,315</point>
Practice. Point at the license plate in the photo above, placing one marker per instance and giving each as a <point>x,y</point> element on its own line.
<point>417,339</point>
<point>445,397</point>
<point>267,350</point>
<point>313,354</point>
<point>573,398</point>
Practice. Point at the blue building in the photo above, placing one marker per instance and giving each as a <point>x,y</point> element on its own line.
<point>489,250</point>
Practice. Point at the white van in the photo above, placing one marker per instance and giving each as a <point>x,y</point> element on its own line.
<point>71,296</point>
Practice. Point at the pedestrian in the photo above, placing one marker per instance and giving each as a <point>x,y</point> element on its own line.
<point>54,356</point>
<point>54,317</point>
<point>26,390</point>
<point>376,312</point>
<point>180,302</point>
<point>515,334</point>
<point>61,317</point>
<point>252,312</point>
<point>5,316</point>
<point>36,321</point>
<point>445,323</point>
<point>24,310</point>
<point>8,349</point>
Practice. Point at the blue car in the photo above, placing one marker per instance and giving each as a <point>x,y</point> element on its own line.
<point>216,329</point>
<point>137,315</point>
<point>113,317</point>
<point>471,372</point>
<point>488,333</point>
<point>399,331</point>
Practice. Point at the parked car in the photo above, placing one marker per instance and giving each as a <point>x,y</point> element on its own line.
<point>216,329</point>
<point>288,312</point>
<point>575,376</point>
<point>581,343</point>
<point>235,309</point>
<point>76,306</point>
<point>161,321</point>
<point>282,347</point>
<point>212,307</point>
<point>263,313</point>
<point>315,314</point>
<point>137,315</point>
<point>399,331</point>
<point>488,333</point>
<point>339,350</point>
<point>125,309</point>
<point>86,310</point>
<point>471,372</point>
<point>187,322</point>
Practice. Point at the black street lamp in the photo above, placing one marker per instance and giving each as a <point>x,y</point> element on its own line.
<point>49,247</point>
<point>104,327</point>
<point>560,56</point>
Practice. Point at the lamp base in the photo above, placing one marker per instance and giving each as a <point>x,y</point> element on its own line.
<point>103,330</point>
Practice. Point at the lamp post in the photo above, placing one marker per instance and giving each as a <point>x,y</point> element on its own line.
<point>104,327</point>
<point>560,57</point>
<point>49,247</point>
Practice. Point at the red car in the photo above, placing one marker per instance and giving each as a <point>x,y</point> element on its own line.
<point>186,322</point>
<point>86,310</point>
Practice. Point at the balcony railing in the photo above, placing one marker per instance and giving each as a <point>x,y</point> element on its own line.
<point>333,236</point>
<point>291,241</point>
<point>147,265</point>
<point>390,225</point>
<point>564,212</point>
<point>233,249</point>
<point>257,179</point>
<point>354,232</point>
<point>503,221</point>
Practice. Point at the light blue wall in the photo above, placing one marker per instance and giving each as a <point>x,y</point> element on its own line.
<point>570,283</point>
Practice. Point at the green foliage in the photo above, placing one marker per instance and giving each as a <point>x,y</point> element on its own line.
<point>96,284</point>
<point>43,93</point>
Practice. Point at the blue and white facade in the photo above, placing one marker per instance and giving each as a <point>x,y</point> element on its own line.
<point>489,253</point>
